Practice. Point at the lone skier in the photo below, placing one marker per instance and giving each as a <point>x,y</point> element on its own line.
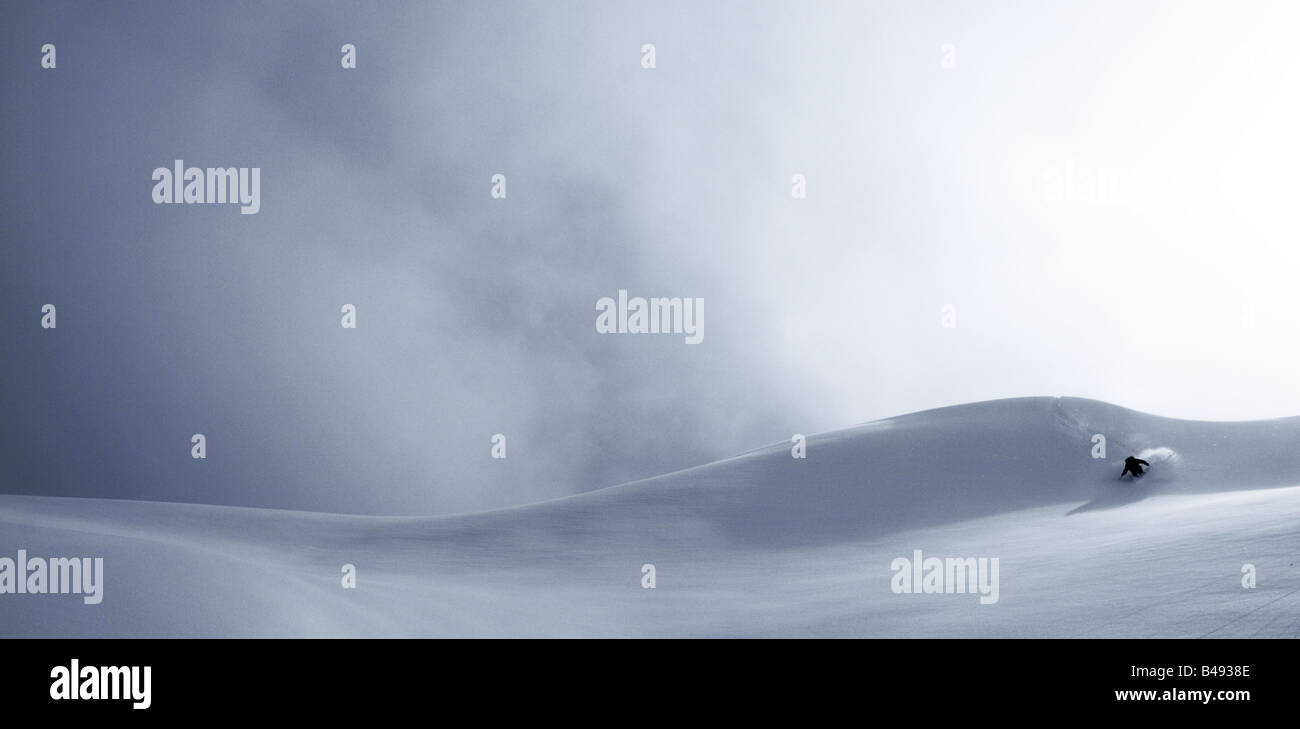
<point>1134,466</point>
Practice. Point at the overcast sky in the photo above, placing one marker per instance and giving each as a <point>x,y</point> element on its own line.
<point>952,153</point>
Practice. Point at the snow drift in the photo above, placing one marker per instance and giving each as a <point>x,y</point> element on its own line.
<point>758,544</point>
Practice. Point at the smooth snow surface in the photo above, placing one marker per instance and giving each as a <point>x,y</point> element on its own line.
<point>757,545</point>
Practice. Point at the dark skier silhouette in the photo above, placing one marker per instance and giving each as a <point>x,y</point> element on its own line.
<point>1134,466</point>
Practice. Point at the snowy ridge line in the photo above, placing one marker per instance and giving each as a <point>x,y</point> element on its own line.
<point>756,544</point>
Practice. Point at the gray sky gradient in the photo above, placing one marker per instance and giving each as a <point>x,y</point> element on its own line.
<point>927,186</point>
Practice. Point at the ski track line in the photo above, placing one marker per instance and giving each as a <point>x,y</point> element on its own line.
<point>1283,614</point>
<point>1213,581</point>
<point>1250,612</point>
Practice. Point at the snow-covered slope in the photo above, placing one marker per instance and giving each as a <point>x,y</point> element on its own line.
<point>759,544</point>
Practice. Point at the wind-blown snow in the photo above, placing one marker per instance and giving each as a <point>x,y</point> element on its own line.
<point>759,544</point>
